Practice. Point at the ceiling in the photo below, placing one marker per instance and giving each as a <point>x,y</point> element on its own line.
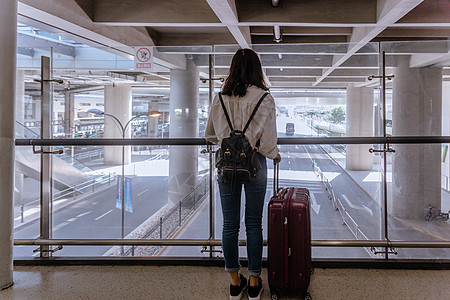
<point>302,43</point>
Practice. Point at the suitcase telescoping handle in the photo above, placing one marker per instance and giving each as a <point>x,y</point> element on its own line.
<point>276,177</point>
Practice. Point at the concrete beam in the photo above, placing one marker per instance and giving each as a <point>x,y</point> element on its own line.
<point>324,11</point>
<point>194,39</point>
<point>302,61</point>
<point>36,41</point>
<point>65,18</point>
<point>313,79</point>
<point>226,11</point>
<point>416,47</point>
<point>25,51</point>
<point>425,60</point>
<point>430,11</point>
<point>265,39</point>
<point>294,72</point>
<point>273,61</point>
<point>125,13</point>
<point>416,32</point>
<point>388,12</point>
<point>303,31</point>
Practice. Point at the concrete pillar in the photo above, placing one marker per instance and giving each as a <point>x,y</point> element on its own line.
<point>416,169</point>
<point>183,167</point>
<point>69,111</point>
<point>117,103</point>
<point>152,124</point>
<point>20,117</point>
<point>8,31</point>
<point>359,120</point>
<point>20,96</point>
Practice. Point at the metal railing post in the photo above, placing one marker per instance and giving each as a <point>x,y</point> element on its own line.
<point>46,163</point>
<point>179,215</point>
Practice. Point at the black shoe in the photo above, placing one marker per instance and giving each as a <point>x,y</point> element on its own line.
<point>236,291</point>
<point>254,292</point>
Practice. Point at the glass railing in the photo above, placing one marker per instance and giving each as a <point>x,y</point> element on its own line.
<point>378,181</point>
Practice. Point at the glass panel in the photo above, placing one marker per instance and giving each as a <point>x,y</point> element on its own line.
<point>325,109</point>
<point>91,207</point>
<point>28,125</point>
<point>419,107</point>
<point>319,91</point>
<point>342,200</point>
<point>419,200</point>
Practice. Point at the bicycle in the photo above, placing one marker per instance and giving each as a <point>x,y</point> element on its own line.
<point>432,213</point>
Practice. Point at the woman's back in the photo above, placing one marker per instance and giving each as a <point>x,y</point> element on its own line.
<point>262,127</point>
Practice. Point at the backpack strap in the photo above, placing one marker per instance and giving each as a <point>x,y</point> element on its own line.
<point>225,111</point>
<point>254,111</point>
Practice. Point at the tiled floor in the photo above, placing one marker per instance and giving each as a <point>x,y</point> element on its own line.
<point>188,282</point>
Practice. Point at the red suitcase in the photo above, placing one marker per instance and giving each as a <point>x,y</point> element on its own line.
<point>289,241</point>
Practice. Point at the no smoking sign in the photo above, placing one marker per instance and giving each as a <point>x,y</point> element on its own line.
<point>143,58</point>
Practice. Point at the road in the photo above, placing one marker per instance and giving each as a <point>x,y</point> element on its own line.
<point>97,217</point>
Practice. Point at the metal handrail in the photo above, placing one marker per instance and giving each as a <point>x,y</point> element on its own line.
<point>337,204</point>
<point>202,141</point>
<point>78,188</point>
<point>216,242</point>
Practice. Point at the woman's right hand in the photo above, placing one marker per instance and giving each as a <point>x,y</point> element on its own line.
<point>277,159</point>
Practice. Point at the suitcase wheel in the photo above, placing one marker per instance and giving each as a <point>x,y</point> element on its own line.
<point>308,296</point>
<point>274,294</point>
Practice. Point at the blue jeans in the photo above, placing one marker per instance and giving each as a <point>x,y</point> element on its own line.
<point>230,196</point>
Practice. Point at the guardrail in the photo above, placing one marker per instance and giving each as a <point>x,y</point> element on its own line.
<point>73,191</point>
<point>174,218</point>
<point>347,219</point>
<point>360,242</point>
<point>202,141</point>
<point>97,153</point>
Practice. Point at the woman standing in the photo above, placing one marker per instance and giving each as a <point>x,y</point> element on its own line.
<point>243,88</point>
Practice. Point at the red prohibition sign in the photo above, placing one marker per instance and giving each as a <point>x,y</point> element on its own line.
<point>143,55</point>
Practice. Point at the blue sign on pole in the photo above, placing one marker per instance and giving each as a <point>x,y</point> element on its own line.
<point>119,193</point>
<point>128,194</point>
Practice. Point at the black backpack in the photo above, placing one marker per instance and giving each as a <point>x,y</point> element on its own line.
<point>236,158</point>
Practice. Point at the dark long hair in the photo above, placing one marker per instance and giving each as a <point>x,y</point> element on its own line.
<point>245,70</point>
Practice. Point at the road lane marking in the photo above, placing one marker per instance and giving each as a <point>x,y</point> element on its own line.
<point>357,206</point>
<point>99,217</point>
<point>314,204</point>
<point>59,226</point>
<point>71,219</point>
<point>144,191</point>
<point>368,210</point>
<point>349,202</point>
<point>308,154</point>
<point>83,214</point>
<point>423,231</point>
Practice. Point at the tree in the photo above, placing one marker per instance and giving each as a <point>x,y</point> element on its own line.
<point>337,114</point>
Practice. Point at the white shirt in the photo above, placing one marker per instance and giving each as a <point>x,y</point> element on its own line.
<point>263,126</point>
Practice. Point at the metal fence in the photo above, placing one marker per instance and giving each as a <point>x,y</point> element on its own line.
<point>173,219</point>
<point>74,192</point>
<point>347,219</point>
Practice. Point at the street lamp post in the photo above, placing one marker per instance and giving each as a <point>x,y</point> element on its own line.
<point>95,111</point>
